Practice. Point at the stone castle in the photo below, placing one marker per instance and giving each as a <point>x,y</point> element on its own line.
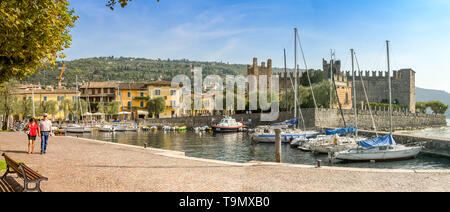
<point>376,84</point>
<point>261,70</point>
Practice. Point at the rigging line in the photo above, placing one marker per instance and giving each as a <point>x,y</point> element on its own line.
<point>365,93</point>
<point>309,79</point>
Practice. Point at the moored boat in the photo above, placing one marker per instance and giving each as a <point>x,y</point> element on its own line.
<point>228,124</point>
<point>381,148</point>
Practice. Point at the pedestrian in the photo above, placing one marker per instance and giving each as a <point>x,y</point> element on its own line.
<point>45,127</point>
<point>32,129</point>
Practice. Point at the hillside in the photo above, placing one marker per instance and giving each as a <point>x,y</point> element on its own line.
<point>423,95</point>
<point>131,69</point>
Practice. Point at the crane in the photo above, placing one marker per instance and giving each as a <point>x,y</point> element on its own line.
<point>60,76</point>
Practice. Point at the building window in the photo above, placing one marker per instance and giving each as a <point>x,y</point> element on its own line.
<point>142,94</point>
<point>60,108</point>
<point>45,98</point>
<point>142,104</point>
<point>157,92</point>
<point>29,97</point>
<point>346,98</point>
<point>129,94</point>
<point>173,92</point>
<point>173,103</point>
<point>129,104</point>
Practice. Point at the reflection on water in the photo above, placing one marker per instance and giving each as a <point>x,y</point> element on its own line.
<point>237,147</point>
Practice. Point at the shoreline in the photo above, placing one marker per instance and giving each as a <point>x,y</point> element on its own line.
<point>181,155</point>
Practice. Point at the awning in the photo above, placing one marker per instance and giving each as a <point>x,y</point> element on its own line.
<point>124,113</point>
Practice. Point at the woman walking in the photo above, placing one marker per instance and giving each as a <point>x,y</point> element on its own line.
<point>32,129</point>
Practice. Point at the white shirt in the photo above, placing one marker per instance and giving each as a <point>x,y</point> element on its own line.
<point>45,126</point>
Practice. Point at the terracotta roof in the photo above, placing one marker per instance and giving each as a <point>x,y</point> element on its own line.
<point>133,86</point>
<point>100,85</point>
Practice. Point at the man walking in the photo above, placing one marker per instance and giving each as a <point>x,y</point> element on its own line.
<point>46,129</point>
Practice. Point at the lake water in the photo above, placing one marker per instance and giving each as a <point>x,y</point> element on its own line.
<point>236,147</point>
<point>435,132</point>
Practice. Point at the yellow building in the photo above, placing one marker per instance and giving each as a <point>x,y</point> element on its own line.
<point>172,95</point>
<point>132,95</point>
<point>49,93</point>
<point>136,95</point>
<point>344,91</point>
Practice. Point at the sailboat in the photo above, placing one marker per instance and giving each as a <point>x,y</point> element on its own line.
<point>267,134</point>
<point>338,139</point>
<point>380,148</point>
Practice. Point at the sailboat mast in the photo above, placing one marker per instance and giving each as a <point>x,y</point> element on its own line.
<point>296,73</point>
<point>354,90</point>
<point>390,88</point>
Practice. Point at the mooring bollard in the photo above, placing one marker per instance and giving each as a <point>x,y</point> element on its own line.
<point>278,145</point>
<point>318,163</point>
<point>145,145</point>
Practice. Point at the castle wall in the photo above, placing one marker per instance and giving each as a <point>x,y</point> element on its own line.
<point>377,87</point>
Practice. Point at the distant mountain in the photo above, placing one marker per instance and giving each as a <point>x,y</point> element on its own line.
<point>424,95</point>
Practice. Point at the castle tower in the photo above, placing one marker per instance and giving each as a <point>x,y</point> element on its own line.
<point>261,71</point>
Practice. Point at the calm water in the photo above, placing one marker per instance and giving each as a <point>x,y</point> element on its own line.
<point>436,132</point>
<point>237,147</point>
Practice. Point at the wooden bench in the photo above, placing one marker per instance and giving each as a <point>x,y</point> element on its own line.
<point>26,173</point>
<point>5,187</point>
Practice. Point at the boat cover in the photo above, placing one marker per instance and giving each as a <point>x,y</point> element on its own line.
<point>290,122</point>
<point>342,131</point>
<point>386,140</point>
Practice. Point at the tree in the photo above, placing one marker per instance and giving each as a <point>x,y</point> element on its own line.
<point>123,3</point>
<point>156,106</point>
<point>48,107</point>
<point>24,107</point>
<point>7,101</point>
<point>321,92</point>
<point>437,107</point>
<point>421,107</point>
<point>31,35</point>
<point>112,108</point>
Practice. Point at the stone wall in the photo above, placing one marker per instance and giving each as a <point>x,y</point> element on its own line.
<point>402,120</point>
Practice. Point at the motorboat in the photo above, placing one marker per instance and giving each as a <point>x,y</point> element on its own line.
<point>228,124</point>
<point>376,149</point>
<point>74,128</point>
<point>146,128</point>
<point>119,128</point>
<point>287,135</point>
<point>106,128</point>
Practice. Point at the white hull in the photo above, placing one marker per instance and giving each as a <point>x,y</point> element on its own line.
<point>398,152</point>
<point>120,128</point>
<point>75,129</point>
<point>285,137</point>
<point>132,129</point>
<point>106,129</point>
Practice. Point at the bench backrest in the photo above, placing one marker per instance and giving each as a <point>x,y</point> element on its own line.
<point>20,168</point>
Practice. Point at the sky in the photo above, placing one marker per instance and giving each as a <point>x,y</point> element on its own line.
<point>235,31</point>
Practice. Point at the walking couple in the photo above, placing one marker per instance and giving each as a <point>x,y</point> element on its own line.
<point>43,129</point>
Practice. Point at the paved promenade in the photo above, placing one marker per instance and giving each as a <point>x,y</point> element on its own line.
<point>73,164</point>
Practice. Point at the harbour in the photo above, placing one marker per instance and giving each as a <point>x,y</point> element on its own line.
<point>237,147</point>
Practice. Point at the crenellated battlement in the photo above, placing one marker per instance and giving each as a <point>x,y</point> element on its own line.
<point>377,74</point>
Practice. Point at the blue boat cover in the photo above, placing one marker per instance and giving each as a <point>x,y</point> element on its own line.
<point>290,122</point>
<point>386,140</point>
<point>341,131</point>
